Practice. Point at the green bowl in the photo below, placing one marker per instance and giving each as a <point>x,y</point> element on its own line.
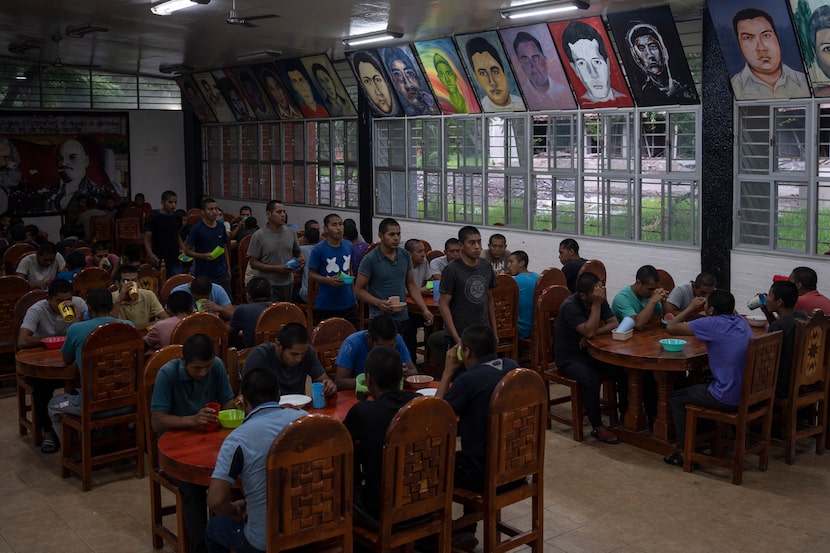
<point>672,344</point>
<point>231,418</point>
<point>347,279</point>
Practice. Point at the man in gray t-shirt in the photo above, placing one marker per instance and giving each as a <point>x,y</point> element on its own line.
<point>681,296</point>
<point>270,250</point>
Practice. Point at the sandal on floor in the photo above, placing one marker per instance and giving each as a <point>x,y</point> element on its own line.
<point>49,445</point>
<point>675,459</point>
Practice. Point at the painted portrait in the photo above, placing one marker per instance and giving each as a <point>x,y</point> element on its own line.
<point>490,72</point>
<point>590,63</point>
<point>278,94</point>
<point>213,97</point>
<point>298,82</point>
<point>446,76</point>
<point>233,95</point>
<point>408,81</point>
<point>372,77</point>
<point>538,69</point>
<point>254,94</point>
<point>653,57</point>
<point>760,49</point>
<point>329,86</point>
<point>812,23</point>
<point>190,91</point>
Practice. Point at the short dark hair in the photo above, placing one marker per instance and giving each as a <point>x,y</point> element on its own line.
<point>785,291</point>
<point>259,385</point>
<point>722,302</point>
<point>100,246</point>
<point>521,256</point>
<point>245,206</point>
<point>350,232</point>
<point>99,300</point>
<point>207,201</point>
<point>410,244</point>
<point>467,231</point>
<point>647,273</point>
<point>328,218</point>
<point>59,286</point>
<point>579,30</point>
<point>47,248</point>
<point>521,38</point>
<point>480,339</point>
<point>201,286</point>
<point>585,283</point>
<point>818,21</point>
<point>292,334</point>
<point>259,289</point>
<point>751,13</point>
<point>451,242</point>
<point>806,277</point>
<point>179,302</point>
<point>385,366</point>
<point>128,269</point>
<point>384,225</point>
<point>167,194</point>
<point>382,327</point>
<point>132,252</point>
<point>198,347</point>
<point>270,206</point>
<point>570,244</point>
<point>75,260</point>
<point>251,222</point>
<point>312,235</point>
<point>480,44</point>
<point>706,279</point>
<point>497,236</point>
<point>307,224</point>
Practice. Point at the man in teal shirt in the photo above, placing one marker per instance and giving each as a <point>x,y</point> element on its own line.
<point>642,299</point>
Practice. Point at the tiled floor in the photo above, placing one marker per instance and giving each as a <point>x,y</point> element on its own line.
<point>598,498</point>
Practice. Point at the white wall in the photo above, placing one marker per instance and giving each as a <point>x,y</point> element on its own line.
<point>297,215</point>
<point>752,273</point>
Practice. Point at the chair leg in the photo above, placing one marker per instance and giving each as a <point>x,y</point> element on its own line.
<point>763,456</point>
<point>689,445</point>
<point>576,412</point>
<point>740,453</point>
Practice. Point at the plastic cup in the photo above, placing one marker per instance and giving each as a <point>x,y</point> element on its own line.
<point>200,305</point>
<point>757,301</point>
<point>67,309</point>
<point>293,264</point>
<point>318,400</point>
<point>436,291</point>
<point>216,407</point>
<point>217,251</point>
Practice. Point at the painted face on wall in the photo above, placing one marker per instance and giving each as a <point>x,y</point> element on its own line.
<point>491,77</point>
<point>301,86</point>
<point>405,79</point>
<point>375,86</point>
<point>326,83</point>
<point>534,64</point>
<point>649,55</point>
<point>447,77</point>
<point>759,46</point>
<point>823,51</point>
<point>592,69</point>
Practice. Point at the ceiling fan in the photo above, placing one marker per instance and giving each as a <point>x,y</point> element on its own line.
<point>235,19</point>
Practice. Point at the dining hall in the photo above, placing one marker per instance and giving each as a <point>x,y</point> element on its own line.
<point>217,211</point>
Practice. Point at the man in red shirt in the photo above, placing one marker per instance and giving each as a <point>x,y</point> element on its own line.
<point>809,299</point>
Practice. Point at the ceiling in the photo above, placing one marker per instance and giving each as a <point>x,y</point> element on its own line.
<point>138,42</point>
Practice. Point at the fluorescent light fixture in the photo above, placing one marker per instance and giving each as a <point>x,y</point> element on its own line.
<point>544,8</point>
<point>260,54</point>
<point>177,68</point>
<point>170,6</point>
<point>21,77</point>
<point>369,38</point>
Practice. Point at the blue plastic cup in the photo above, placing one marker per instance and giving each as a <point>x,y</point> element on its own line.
<point>318,400</point>
<point>436,290</point>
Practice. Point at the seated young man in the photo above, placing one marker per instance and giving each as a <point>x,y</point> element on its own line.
<point>368,422</point>
<point>102,258</point>
<point>216,299</point>
<point>781,301</point>
<point>726,336</point>
<point>240,524</point>
<point>179,306</point>
<point>183,389</point>
<point>75,262</point>
<point>291,359</point>
<point>144,308</point>
<point>351,358</point>
<point>40,269</point>
<point>245,316</point>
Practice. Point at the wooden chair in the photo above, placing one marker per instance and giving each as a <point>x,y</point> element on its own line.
<point>552,276</point>
<point>12,289</point>
<point>112,359</point>
<point>666,280</point>
<point>596,267</point>
<point>417,482</point>
<point>275,317</point>
<point>133,212</point>
<point>326,340</point>
<point>100,229</point>
<point>172,282</point>
<point>309,478</point>
<point>177,538</point>
<point>235,365</point>
<point>128,230</point>
<point>203,323</point>
<point>311,298</point>
<point>25,408</point>
<point>150,278</point>
<point>515,453</point>
<point>427,245</point>
<point>434,254</point>
<point>242,266</point>
<point>809,388</point>
<point>19,259</point>
<point>85,250</point>
<point>546,314</point>
<point>757,396</point>
<point>12,256</point>
<point>506,300</point>
<point>89,278</point>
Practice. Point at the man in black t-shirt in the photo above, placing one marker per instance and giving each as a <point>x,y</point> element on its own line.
<point>161,235</point>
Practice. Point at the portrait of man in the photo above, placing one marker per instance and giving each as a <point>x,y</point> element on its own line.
<point>197,103</point>
<point>592,68</point>
<point>307,100</point>
<point>329,85</point>
<point>372,78</point>
<point>653,57</point>
<point>280,97</point>
<point>812,22</point>
<point>9,165</point>
<point>233,96</point>
<point>410,85</point>
<point>213,97</point>
<point>760,50</point>
<point>538,69</point>
<point>73,161</point>
<point>486,62</point>
<point>446,76</point>
<point>254,94</point>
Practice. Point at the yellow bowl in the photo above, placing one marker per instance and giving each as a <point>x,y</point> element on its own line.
<point>231,418</point>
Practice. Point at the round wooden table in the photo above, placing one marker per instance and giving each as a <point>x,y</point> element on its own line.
<point>44,363</point>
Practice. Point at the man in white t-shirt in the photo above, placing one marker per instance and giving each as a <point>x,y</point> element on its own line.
<point>40,269</point>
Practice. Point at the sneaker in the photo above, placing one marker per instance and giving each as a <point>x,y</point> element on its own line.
<point>465,541</point>
<point>604,435</point>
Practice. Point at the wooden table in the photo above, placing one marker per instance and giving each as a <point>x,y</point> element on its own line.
<point>44,363</point>
<point>643,352</point>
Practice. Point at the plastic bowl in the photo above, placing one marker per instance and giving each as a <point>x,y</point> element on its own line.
<point>418,381</point>
<point>347,279</point>
<point>756,320</point>
<point>231,418</point>
<point>295,400</point>
<point>672,344</point>
<point>54,342</point>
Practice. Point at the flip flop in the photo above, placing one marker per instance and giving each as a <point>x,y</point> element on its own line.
<point>675,459</point>
<point>49,445</point>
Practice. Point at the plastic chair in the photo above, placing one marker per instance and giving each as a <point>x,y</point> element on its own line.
<point>275,317</point>
<point>326,340</point>
<point>506,300</point>
<point>203,323</point>
<point>417,482</point>
<point>89,278</point>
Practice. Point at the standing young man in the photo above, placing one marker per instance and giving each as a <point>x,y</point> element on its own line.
<point>272,247</point>
<point>161,235</point>
<point>205,236</point>
<point>328,259</point>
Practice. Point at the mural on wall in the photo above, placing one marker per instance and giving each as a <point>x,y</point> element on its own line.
<point>233,95</point>
<point>253,93</point>
<point>653,57</point>
<point>190,91</point>
<point>298,82</point>
<point>447,77</point>
<point>590,63</point>
<point>329,86</point>
<point>213,97</point>
<point>539,71</point>
<point>812,23</point>
<point>759,48</point>
<point>281,99</point>
<point>408,81</point>
<point>492,76</point>
<point>50,162</point>
<point>372,78</point>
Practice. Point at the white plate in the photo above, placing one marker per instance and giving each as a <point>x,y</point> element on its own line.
<point>295,400</point>
<point>427,391</point>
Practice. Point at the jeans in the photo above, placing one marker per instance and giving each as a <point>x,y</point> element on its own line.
<point>224,534</point>
<point>590,373</point>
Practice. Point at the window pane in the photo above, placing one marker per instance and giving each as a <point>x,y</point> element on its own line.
<point>668,211</point>
<point>790,136</point>
<point>754,213</point>
<point>791,216</point>
<point>682,140</point>
<point>607,207</point>
<point>823,240</point>
<point>465,197</point>
<point>754,139</point>
<point>555,203</point>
